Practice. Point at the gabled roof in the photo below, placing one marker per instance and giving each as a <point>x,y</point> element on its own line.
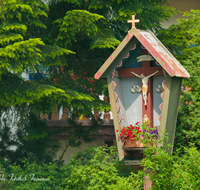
<point>154,47</point>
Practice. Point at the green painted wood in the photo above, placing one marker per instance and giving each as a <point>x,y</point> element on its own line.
<point>122,53</point>
<point>117,56</point>
<point>170,107</point>
<point>115,118</point>
<point>152,44</point>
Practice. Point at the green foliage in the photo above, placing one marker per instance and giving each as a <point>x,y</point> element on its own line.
<point>73,24</point>
<point>182,39</point>
<point>98,172</point>
<point>72,34</point>
<point>22,50</point>
<point>165,170</point>
<point>98,168</point>
<point>32,140</point>
<point>170,171</point>
<point>34,176</point>
<point>64,43</point>
<point>28,92</point>
<point>187,169</point>
<point>4,185</point>
<point>129,183</point>
<point>94,168</point>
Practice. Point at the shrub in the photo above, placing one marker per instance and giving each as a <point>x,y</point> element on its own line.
<point>168,171</point>
<point>96,169</point>
<point>99,168</point>
<point>33,176</point>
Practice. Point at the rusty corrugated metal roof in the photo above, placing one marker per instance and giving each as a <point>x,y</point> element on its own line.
<point>155,48</point>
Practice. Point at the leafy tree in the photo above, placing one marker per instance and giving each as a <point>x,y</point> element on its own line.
<point>63,43</point>
<point>168,171</point>
<point>98,168</point>
<point>183,41</point>
<point>32,140</point>
<point>22,50</point>
<point>92,29</point>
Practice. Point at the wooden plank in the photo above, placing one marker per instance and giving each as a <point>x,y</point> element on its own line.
<point>133,162</point>
<point>153,45</point>
<point>170,105</point>
<point>98,137</point>
<point>121,102</point>
<point>115,118</point>
<point>161,54</point>
<point>64,123</point>
<point>126,72</point>
<point>117,55</point>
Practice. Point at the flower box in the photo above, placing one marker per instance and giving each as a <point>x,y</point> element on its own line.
<point>135,136</point>
<point>132,144</point>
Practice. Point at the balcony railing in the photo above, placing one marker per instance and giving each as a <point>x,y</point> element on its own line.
<point>64,113</point>
<point>60,118</point>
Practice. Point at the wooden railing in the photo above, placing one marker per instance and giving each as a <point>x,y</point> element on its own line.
<point>60,118</point>
<point>64,113</point>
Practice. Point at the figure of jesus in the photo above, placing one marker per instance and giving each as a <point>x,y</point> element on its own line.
<point>145,80</point>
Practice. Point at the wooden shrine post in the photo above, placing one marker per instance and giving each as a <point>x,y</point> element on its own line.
<point>141,52</point>
<point>115,117</point>
<point>170,106</point>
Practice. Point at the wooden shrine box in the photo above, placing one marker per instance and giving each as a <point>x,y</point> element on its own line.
<point>141,52</point>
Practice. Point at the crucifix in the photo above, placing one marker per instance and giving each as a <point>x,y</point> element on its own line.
<point>145,80</point>
<point>133,21</point>
<point>147,71</point>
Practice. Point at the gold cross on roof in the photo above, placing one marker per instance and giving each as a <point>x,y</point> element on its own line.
<point>133,21</point>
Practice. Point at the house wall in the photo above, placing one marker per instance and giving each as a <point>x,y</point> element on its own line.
<point>74,150</point>
<point>181,5</point>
